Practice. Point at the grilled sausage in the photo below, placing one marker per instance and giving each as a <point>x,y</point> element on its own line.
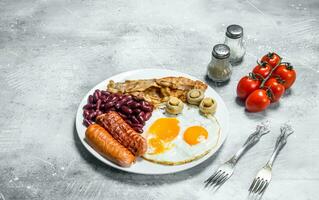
<point>107,146</point>
<point>123,133</point>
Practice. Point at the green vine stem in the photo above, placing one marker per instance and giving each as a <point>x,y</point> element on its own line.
<point>269,75</point>
<point>270,93</point>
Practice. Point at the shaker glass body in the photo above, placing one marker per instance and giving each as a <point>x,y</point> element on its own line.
<point>237,50</point>
<point>219,70</point>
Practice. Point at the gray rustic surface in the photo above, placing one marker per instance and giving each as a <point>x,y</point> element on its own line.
<point>53,52</point>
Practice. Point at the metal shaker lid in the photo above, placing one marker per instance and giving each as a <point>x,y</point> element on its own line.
<point>234,31</point>
<point>221,51</point>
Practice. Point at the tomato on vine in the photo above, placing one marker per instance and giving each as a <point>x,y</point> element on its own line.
<point>286,74</point>
<point>257,101</point>
<point>277,89</point>
<point>247,85</point>
<point>271,58</point>
<point>262,70</point>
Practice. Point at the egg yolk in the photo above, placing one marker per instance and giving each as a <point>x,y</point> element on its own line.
<point>157,145</point>
<point>195,134</point>
<point>165,129</point>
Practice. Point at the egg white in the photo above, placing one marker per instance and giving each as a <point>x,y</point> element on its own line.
<point>181,152</point>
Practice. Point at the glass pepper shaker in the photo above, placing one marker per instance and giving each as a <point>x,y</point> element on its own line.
<point>234,40</point>
<point>219,69</point>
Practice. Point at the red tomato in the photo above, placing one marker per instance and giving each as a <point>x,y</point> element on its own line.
<point>262,70</point>
<point>272,59</point>
<point>257,101</point>
<point>247,85</point>
<point>276,88</point>
<point>286,73</point>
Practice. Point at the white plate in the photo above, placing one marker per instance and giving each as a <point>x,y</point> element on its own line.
<point>143,166</point>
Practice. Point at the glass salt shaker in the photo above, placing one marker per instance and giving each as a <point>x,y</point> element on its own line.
<point>219,69</point>
<point>234,40</point>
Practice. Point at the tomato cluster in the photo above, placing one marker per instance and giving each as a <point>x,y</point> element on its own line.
<point>267,83</point>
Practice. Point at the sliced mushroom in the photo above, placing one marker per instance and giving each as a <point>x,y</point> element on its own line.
<point>174,106</point>
<point>208,106</point>
<point>195,96</point>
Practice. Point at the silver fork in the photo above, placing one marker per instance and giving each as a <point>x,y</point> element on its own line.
<point>224,172</point>
<point>263,177</point>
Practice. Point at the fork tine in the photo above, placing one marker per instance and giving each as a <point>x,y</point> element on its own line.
<point>252,185</point>
<point>223,180</point>
<point>261,185</point>
<point>256,185</point>
<point>217,177</point>
<point>264,188</point>
<point>221,176</point>
<point>261,193</point>
<point>212,176</point>
<point>209,180</point>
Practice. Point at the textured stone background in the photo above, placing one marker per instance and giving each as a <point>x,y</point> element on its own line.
<point>53,52</point>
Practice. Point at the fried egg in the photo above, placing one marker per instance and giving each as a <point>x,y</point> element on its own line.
<point>179,139</point>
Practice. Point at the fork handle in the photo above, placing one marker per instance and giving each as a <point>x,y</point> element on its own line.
<point>275,154</point>
<point>251,141</point>
<point>286,130</point>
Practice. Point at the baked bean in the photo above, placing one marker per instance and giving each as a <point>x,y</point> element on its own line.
<point>90,99</point>
<point>114,98</point>
<point>147,116</point>
<point>138,125</point>
<point>98,104</point>
<point>129,103</point>
<point>145,107</point>
<point>87,122</point>
<point>109,104</point>
<point>120,103</point>
<point>129,97</point>
<point>98,93</point>
<point>91,116</point>
<point>105,100</point>
<point>102,98</point>
<point>95,97</point>
<point>137,110</point>
<point>86,113</point>
<point>89,106</point>
<point>99,113</point>
<point>126,110</point>
<point>135,105</point>
<point>90,111</point>
<point>134,119</point>
<point>95,115</point>
<point>105,93</point>
<point>140,119</point>
<point>108,98</point>
<point>102,106</point>
<point>142,114</point>
<point>117,105</point>
<point>126,99</point>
